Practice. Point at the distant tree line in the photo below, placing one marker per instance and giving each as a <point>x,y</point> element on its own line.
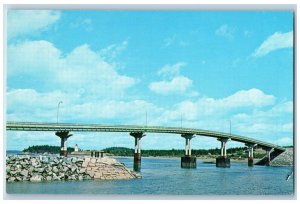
<point>46,148</point>
<point>238,152</point>
<point>123,151</point>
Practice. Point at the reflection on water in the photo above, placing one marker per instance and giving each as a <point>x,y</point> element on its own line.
<point>165,177</point>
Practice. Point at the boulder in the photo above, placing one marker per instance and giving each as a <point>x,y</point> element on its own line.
<point>48,178</point>
<point>36,178</point>
<point>11,179</point>
<point>24,172</point>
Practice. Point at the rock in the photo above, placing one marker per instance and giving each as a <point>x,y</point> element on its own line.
<point>85,164</point>
<point>78,160</point>
<point>82,170</point>
<point>11,179</point>
<point>40,170</point>
<point>48,178</point>
<point>19,178</point>
<point>55,178</point>
<point>24,172</point>
<point>55,169</point>
<point>36,178</point>
<point>73,169</point>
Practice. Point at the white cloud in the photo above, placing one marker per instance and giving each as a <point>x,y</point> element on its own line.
<point>112,51</point>
<point>274,42</point>
<point>84,24</point>
<point>177,85</point>
<point>226,31</point>
<point>34,57</point>
<point>30,105</point>
<point>171,70</point>
<point>81,69</point>
<point>284,141</point>
<point>219,108</point>
<point>252,97</point>
<point>174,82</point>
<point>23,22</point>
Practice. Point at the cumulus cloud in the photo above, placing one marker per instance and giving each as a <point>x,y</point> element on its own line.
<point>30,105</point>
<point>177,85</point>
<point>23,22</point>
<point>173,82</point>
<point>274,42</point>
<point>219,108</point>
<point>81,69</point>
<point>171,70</point>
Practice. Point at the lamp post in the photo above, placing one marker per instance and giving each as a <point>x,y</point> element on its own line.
<point>58,110</point>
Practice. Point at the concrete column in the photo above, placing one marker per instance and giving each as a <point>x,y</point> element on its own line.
<point>188,161</point>
<point>268,152</point>
<point>64,135</point>
<point>137,150</point>
<point>186,146</point>
<point>223,160</point>
<point>250,153</point>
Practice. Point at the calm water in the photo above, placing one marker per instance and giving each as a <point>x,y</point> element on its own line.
<point>165,177</point>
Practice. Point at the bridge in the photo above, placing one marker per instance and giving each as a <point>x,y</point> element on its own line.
<point>62,130</point>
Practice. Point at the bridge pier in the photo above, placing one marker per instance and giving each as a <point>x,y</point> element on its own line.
<point>64,135</point>
<point>223,160</point>
<point>268,155</point>
<point>188,161</point>
<point>137,158</point>
<point>250,154</point>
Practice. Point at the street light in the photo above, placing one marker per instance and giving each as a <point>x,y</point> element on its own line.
<point>58,110</point>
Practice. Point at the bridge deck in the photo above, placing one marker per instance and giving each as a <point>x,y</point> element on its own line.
<point>26,126</point>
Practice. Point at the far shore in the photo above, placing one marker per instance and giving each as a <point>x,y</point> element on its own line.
<point>203,160</point>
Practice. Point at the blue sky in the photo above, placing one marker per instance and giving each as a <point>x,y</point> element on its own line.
<point>111,67</point>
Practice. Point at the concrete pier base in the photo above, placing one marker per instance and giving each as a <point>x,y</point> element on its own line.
<point>223,162</point>
<point>64,135</point>
<point>250,161</point>
<point>137,162</point>
<point>188,162</point>
<point>63,153</point>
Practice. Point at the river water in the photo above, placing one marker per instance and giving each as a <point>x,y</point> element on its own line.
<point>165,177</point>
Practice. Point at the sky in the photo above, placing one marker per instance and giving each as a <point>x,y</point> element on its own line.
<point>195,69</point>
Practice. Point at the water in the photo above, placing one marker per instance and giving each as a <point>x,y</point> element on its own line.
<point>165,177</point>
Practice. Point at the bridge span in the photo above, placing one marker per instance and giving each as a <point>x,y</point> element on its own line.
<point>63,129</point>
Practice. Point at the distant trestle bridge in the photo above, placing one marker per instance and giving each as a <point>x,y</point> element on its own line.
<point>187,161</point>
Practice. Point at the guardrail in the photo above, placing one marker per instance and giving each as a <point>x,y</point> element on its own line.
<point>32,126</point>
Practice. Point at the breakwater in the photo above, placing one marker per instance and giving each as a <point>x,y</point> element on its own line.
<point>43,168</point>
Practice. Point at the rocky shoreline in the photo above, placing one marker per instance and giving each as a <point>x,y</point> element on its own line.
<point>44,168</point>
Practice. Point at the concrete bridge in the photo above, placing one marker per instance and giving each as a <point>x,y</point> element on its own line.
<point>63,130</point>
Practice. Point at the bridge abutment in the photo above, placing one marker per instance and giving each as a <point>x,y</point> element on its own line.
<point>188,161</point>
<point>137,159</point>
<point>64,135</point>
<point>223,160</point>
